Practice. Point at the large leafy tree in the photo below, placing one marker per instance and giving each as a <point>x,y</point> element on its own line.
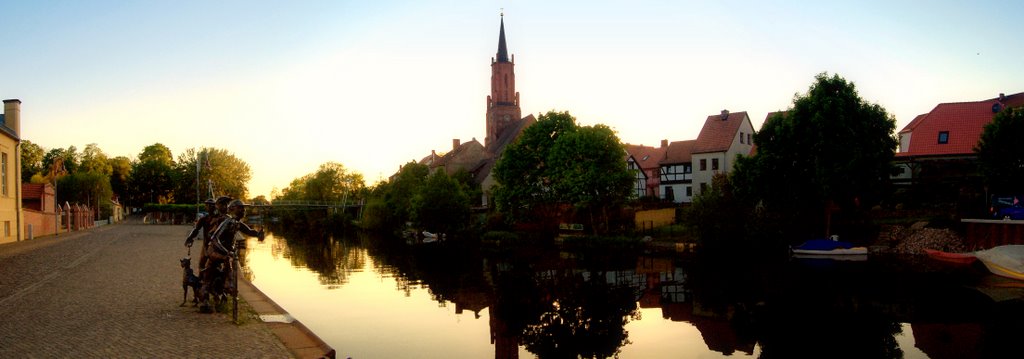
<point>151,180</point>
<point>94,160</point>
<point>330,183</point>
<point>68,156</point>
<point>90,188</point>
<point>31,160</point>
<point>440,205</point>
<point>830,150</point>
<point>1001,154</point>
<point>219,171</point>
<point>556,162</point>
<point>120,174</point>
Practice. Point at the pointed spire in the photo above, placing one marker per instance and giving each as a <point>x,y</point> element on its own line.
<point>502,49</point>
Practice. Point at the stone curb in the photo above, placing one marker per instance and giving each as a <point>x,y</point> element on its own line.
<point>295,336</point>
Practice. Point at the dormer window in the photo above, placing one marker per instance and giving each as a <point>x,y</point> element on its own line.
<point>943,137</point>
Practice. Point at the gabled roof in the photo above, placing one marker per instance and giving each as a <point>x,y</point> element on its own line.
<point>679,152</point>
<point>455,153</point>
<point>5,129</point>
<point>719,131</point>
<point>510,133</point>
<point>964,123</point>
<point>913,124</point>
<point>647,157</point>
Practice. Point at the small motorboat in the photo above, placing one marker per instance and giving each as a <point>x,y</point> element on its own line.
<point>955,258</point>
<point>828,248</point>
<point>1006,261</point>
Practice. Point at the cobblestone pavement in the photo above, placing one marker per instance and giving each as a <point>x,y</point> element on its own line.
<point>114,291</point>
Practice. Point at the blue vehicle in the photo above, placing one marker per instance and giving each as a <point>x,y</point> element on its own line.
<point>1007,207</point>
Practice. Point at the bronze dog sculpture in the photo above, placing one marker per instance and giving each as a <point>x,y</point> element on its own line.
<point>189,279</point>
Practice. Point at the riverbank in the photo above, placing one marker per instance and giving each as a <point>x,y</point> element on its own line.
<point>114,291</point>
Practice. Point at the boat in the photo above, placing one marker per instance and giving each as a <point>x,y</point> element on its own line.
<point>828,248</point>
<point>955,258</point>
<point>1006,261</point>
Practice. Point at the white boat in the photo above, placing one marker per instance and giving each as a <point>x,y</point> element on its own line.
<point>1006,261</point>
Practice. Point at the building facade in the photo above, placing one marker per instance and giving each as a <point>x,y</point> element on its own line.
<point>10,172</point>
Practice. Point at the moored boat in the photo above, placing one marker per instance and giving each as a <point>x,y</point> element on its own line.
<point>829,248</point>
<point>1006,261</point>
<point>956,258</point>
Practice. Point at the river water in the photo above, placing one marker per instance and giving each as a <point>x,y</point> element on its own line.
<point>383,298</point>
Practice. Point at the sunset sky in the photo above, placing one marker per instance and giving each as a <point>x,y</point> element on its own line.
<point>287,86</point>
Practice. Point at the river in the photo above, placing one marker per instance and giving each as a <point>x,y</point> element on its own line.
<point>372,297</point>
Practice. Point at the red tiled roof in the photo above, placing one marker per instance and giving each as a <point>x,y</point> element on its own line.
<point>913,124</point>
<point>31,191</point>
<point>679,152</point>
<point>963,121</point>
<point>717,134</point>
<point>646,157</point>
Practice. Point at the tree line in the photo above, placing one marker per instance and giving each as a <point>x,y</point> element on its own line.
<point>153,176</point>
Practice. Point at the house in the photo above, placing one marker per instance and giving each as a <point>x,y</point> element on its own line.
<point>676,172</point>
<point>10,172</point>
<point>723,137</point>
<point>646,161</point>
<point>39,209</point>
<point>940,143</point>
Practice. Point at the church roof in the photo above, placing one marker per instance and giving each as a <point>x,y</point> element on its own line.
<point>502,49</point>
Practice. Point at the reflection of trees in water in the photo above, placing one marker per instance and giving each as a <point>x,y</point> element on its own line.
<point>330,258</point>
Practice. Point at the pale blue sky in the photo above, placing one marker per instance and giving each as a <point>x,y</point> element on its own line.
<point>287,86</point>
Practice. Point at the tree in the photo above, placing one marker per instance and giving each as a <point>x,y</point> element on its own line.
<point>830,150</point>
<point>330,183</point>
<point>523,173</point>
<point>440,205</point>
<point>151,180</point>
<point>94,160</point>
<point>1000,154</point>
<point>68,157</point>
<point>31,160</point>
<point>120,176</point>
<point>555,163</point>
<point>219,171</point>
<point>589,171</point>
<point>90,188</point>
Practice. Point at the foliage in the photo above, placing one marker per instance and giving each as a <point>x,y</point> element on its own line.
<point>151,180</point>
<point>120,174</point>
<point>398,193</point>
<point>90,188</point>
<point>31,160</point>
<point>219,171</point>
<point>556,162</point>
<point>69,158</point>
<point>830,148</point>
<point>1001,154</point>
<point>440,205</point>
<point>94,160</point>
<point>330,183</point>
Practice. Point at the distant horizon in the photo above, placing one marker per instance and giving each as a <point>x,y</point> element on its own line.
<point>374,86</point>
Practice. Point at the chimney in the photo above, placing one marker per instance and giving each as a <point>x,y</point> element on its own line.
<point>725,115</point>
<point>455,143</point>
<point>664,143</point>
<point>1002,97</point>
<point>12,115</point>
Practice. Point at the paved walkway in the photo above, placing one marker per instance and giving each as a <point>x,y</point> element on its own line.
<point>114,291</point>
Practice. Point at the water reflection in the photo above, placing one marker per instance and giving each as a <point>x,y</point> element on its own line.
<point>553,303</point>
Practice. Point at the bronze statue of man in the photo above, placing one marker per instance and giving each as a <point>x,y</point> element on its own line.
<point>204,227</point>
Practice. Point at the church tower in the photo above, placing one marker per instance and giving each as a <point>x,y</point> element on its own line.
<point>503,103</point>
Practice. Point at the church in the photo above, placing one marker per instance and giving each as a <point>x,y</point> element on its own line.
<point>504,124</point>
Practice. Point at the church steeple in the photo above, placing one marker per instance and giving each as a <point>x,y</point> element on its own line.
<point>502,49</point>
<point>503,103</point>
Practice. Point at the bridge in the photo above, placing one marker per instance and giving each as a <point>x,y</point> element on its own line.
<point>301,204</point>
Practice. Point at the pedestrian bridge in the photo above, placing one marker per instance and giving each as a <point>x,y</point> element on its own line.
<point>300,204</point>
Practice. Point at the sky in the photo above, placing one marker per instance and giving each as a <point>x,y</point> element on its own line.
<point>288,86</point>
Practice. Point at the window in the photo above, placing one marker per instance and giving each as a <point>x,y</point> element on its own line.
<point>943,137</point>
<point>7,228</point>
<point>689,191</point>
<point>741,137</point>
<point>3,174</point>
<point>703,187</point>
<point>749,142</point>
<point>703,164</point>
<point>670,194</point>
<point>714,164</point>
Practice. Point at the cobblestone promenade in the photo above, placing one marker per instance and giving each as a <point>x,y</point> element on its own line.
<point>113,291</point>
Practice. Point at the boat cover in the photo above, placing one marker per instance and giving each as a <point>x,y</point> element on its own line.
<point>824,245</point>
<point>1010,257</point>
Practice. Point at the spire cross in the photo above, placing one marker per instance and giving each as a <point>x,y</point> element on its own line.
<point>502,12</point>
